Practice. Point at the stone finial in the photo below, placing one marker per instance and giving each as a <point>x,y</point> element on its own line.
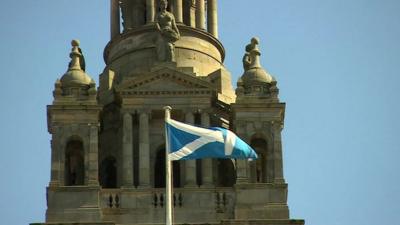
<point>75,76</point>
<point>74,55</point>
<point>75,83</point>
<point>76,51</point>
<point>251,58</point>
<point>253,71</point>
<point>255,81</point>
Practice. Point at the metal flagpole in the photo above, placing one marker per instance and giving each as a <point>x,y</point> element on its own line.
<point>168,174</point>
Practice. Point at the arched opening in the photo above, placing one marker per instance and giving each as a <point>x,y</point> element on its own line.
<point>159,170</point>
<point>141,17</point>
<point>199,173</point>
<point>108,173</point>
<point>258,168</point>
<point>74,163</point>
<point>226,172</point>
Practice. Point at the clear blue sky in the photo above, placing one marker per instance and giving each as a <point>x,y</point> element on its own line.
<point>337,65</point>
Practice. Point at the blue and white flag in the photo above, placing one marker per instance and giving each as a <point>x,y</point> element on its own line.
<point>190,142</point>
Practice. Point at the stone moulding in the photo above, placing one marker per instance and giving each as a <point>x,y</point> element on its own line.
<point>263,222</point>
<point>185,31</point>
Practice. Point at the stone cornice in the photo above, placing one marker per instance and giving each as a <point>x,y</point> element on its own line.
<point>75,107</point>
<point>256,107</point>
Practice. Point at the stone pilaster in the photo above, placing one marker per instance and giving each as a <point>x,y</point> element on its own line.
<point>212,17</point>
<point>200,15</point>
<point>127,151</point>
<point>190,165</point>
<point>277,151</point>
<point>55,179</point>
<point>144,149</point>
<point>93,156</point>
<point>115,18</point>
<point>207,164</point>
<point>241,171</point>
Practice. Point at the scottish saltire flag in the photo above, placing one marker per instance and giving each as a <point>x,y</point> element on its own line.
<point>190,142</point>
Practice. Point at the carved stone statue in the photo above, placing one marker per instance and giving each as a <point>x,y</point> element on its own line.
<point>251,58</point>
<point>82,62</point>
<point>246,59</point>
<point>169,34</point>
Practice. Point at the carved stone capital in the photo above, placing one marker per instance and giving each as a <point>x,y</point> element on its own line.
<point>127,116</point>
<point>142,113</point>
<point>127,110</point>
<point>276,125</point>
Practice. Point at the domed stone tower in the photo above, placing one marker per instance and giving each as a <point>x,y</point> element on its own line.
<point>165,34</point>
<point>73,122</point>
<point>108,145</point>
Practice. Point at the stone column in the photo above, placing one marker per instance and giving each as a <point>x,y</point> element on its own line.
<point>200,15</point>
<point>212,17</point>
<point>150,11</point>
<point>138,14</point>
<point>178,7</point>
<point>127,151</point>
<point>190,165</point>
<point>207,166</point>
<point>192,14</point>
<point>277,151</point>
<point>144,150</point>
<point>114,20</point>
<point>93,156</point>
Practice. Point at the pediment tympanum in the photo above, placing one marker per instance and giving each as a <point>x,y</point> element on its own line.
<point>165,82</point>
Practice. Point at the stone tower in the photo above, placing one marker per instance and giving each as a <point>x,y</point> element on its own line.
<point>107,157</point>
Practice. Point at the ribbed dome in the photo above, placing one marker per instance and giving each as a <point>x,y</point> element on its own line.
<point>256,75</point>
<point>75,76</point>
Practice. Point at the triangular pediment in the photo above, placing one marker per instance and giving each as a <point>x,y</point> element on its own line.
<point>165,81</point>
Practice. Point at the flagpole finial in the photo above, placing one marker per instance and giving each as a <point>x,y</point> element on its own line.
<point>167,112</point>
